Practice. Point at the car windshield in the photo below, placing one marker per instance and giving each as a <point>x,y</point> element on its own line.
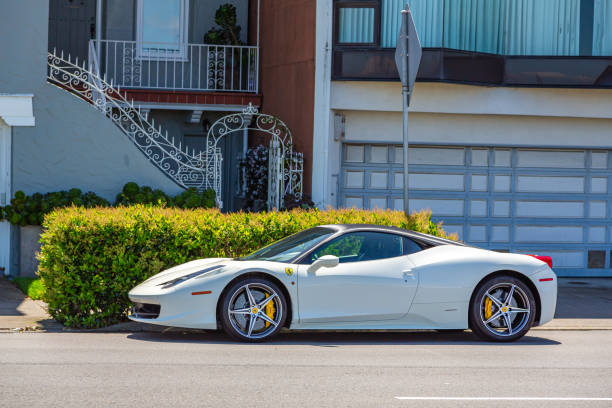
<point>287,249</point>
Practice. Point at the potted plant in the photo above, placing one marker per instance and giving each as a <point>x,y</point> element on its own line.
<point>227,32</point>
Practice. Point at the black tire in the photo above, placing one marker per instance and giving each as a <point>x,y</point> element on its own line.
<point>238,325</point>
<point>484,309</point>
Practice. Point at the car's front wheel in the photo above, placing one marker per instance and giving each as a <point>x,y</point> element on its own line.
<point>253,310</point>
<point>502,309</point>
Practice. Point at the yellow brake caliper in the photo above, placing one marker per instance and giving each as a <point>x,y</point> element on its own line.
<point>270,310</point>
<point>488,306</point>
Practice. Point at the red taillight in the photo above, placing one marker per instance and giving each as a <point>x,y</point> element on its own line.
<point>544,258</point>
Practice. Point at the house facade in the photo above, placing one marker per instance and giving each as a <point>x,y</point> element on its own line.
<point>164,93</point>
<point>510,121</point>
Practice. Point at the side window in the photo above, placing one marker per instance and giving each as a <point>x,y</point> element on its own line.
<point>362,246</point>
<point>411,247</point>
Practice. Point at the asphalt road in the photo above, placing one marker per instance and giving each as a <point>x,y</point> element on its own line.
<point>298,369</point>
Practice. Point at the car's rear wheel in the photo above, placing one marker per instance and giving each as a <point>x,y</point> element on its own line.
<point>503,309</point>
<point>253,310</point>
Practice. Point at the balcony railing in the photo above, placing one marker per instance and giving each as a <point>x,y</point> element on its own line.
<point>193,67</point>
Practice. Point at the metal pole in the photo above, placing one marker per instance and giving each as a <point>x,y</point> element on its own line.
<point>98,29</point>
<point>405,104</point>
<point>258,22</point>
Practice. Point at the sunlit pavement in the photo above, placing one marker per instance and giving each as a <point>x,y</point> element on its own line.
<point>305,369</point>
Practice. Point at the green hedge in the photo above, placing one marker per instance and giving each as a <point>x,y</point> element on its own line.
<point>91,258</point>
<point>30,210</point>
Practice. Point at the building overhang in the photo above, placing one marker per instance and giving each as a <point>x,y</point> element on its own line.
<point>17,109</point>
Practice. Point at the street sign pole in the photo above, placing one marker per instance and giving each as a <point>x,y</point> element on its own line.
<point>407,59</point>
<point>405,104</point>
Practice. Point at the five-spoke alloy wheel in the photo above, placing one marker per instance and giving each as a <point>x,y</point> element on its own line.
<point>253,310</point>
<point>503,309</point>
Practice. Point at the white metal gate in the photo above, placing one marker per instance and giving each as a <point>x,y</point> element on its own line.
<point>5,194</point>
<point>285,167</point>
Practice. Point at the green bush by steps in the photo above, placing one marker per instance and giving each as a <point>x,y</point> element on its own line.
<point>91,258</point>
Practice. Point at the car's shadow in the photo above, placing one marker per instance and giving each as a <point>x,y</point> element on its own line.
<point>334,339</point>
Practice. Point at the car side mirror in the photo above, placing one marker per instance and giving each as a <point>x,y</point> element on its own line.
<point>326,261</point>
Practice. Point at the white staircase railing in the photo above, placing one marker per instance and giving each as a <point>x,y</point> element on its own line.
<point>185,168</point>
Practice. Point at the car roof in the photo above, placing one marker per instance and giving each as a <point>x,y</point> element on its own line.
<point>429,239</point>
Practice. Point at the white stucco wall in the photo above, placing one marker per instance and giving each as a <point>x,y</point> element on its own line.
<point>434,97</point>
<point>451,114</point>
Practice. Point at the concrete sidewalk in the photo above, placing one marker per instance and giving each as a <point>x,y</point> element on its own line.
<point>582,304</point>
<point>19,312</point>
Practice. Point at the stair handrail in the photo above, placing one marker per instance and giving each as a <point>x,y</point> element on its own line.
<point>187,170</point>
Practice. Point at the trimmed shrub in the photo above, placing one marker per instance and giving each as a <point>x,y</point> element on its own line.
<point>91,258</point>
<point>132,194</point>
<point>30,210</point>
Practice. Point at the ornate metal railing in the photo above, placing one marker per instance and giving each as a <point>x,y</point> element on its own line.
<point>186,169</point>
<point>285,167</point>
<point>193,67</point>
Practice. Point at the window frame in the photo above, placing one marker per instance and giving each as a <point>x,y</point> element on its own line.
<point>181,55</point>
<point>304,259</point>
<point>340,4</point>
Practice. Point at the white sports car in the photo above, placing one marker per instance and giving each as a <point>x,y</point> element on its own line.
<point>354,277</point>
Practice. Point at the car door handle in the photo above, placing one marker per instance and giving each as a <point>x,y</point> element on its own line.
<point>408,274</point>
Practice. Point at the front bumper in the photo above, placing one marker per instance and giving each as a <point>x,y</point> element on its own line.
<point>176,308</point>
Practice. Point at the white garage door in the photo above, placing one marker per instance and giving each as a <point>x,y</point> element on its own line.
<point>551,202</point>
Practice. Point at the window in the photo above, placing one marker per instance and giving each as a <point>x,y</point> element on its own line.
<point>293,246</point>
<point>597,259</point>
<point>357,22</point>
<point>411,247</point>
<point>365,246</point>
<point>162,29</point>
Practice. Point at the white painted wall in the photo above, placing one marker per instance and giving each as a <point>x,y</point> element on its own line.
<point>325,152</point>
<point>5,193</point>
<point>434,97</point>
<point>440,128</point>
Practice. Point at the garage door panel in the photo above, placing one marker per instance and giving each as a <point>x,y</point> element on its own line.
<point>599,160</point>
<point>438,207</point>
<point>599,185</point>
<point>545,201</point>
<point>429,181</point>
<point>551,158</point>
<point>549,209</point>
<point>436,156</point>
<point>545,233</point>
<point>597,234</point>
<point>561,259</point>
<point>549,184</point>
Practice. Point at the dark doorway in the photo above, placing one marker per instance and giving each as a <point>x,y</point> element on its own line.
<point>72,23</point>
<point>232,150</point>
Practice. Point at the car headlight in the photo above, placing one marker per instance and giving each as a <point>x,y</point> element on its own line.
<point>176,281</point>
